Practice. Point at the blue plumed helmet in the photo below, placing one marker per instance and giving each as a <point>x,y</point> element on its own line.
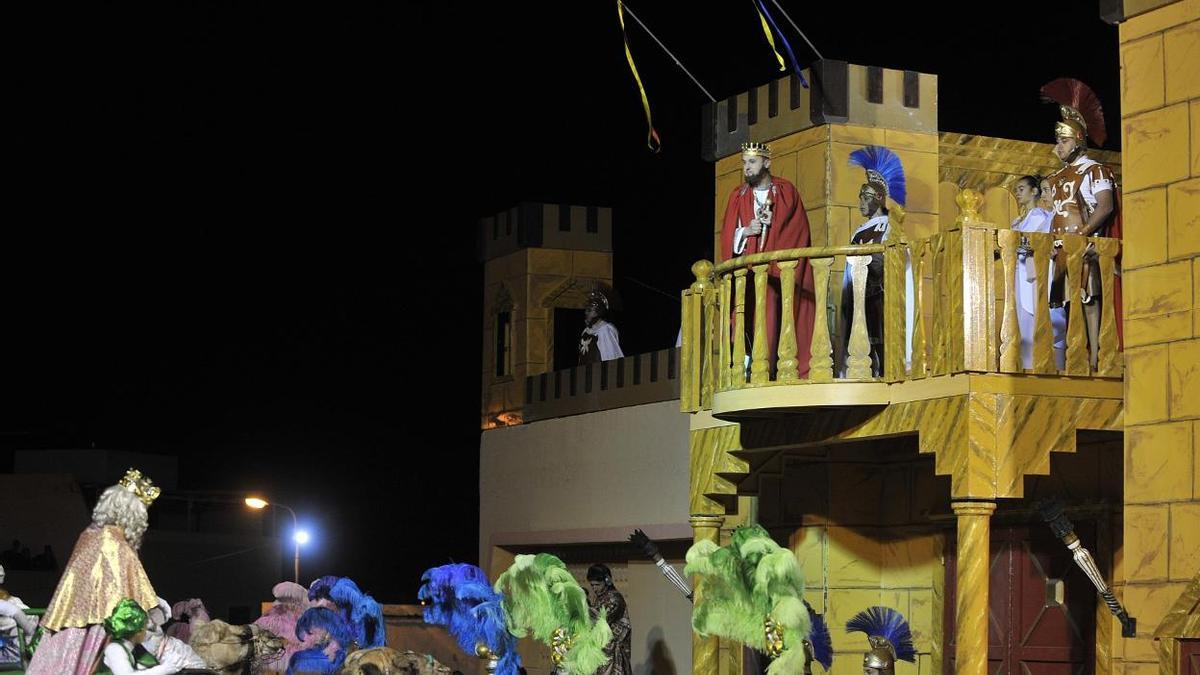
<point>889,635</point>
<point>885,173</point>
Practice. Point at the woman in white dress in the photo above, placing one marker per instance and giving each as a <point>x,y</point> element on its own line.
<point>1033,218</point>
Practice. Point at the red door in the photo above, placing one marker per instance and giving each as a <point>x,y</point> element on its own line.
<point>1041,606</point>
<point>1189,657</point>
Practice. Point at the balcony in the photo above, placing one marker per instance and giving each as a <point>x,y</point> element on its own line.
<point>952,374</point>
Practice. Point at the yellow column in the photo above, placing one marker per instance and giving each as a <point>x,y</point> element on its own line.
<point>705,651</point>
<point>971,612</point>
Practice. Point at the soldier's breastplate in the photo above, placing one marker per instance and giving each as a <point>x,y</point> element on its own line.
<point>1068,219</point>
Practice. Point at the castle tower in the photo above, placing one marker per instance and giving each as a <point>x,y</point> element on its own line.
<point>538,258</point>
<point>813,131</point>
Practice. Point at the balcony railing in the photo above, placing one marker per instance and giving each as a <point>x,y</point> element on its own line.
<point>961,316</point>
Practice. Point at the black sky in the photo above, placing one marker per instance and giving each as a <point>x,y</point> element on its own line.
<point>243,233</point>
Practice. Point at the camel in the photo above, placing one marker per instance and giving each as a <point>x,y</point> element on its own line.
<point>235,650</point>
<point>388,661</point>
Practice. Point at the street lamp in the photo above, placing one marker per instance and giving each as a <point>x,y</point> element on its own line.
<point>298,536</point>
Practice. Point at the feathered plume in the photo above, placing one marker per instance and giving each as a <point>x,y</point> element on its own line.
<point>291,600</point>
<point>437,592</point>
<point>493,631</point>
<point>1082,102</point>
<point>744,585</point>
<point>459,597</point>
<point>315,659</point>
<point>886,623</point>
<point>542,599</point>
<point>319,589</point>
<point>365,614</point>
<point>820,639</point>
<point>887,164</point>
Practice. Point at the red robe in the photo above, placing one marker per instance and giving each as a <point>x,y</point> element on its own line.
<point>788,229</point>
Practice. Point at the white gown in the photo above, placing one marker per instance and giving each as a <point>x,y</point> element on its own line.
<point>1036,220</point>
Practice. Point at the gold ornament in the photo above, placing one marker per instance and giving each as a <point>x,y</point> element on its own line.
<point>757,150</point>
<point>774,638</point>
<point>140,485</point>
<point>561,644</point>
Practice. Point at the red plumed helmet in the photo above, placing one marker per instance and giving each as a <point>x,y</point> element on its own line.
<point>1079,107</point>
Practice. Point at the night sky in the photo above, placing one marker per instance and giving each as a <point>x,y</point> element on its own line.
<point>244,233</point>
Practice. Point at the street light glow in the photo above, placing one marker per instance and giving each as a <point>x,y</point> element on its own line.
<point>299,536</point>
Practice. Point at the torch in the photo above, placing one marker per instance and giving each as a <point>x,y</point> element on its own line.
<point>647,546</point>
<point>1054,515</point>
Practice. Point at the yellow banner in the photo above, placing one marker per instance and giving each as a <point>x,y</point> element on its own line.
<point>652,139</point>
<point>770,38</point>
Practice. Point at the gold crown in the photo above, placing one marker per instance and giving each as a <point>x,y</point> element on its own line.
<point>756,150</point>
<point>140,485</point>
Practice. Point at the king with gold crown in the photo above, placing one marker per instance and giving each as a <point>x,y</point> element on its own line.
<point>765,213</point>
<point>104,568</point>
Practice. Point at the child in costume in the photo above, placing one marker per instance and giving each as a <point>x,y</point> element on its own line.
<point>126,626</point>
<point>13,620</point>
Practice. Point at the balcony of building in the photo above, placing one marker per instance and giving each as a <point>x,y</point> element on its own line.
<point>951,371</point>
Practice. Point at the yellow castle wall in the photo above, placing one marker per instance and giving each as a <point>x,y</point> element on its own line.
<point>529,276</point>
<point>862,532</point>
<point>1160,131</point>
<point>870,527</point>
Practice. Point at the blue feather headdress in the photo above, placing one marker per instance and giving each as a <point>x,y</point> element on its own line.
<point>885,173</point>
<point>820,639</point>
<point>459,597</point>
<point>365,614</point>
<point>319,588</point>
<point>314,659</point>
<point>437,592</point>
<point>885,627</point>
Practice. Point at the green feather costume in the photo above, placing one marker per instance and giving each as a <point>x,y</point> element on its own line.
<point>752,591</point>
<point>543,600</point>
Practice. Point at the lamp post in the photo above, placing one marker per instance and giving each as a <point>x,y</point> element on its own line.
<point>298,536</point>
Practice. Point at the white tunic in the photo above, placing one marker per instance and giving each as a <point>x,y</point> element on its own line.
<point>1036,220</point>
